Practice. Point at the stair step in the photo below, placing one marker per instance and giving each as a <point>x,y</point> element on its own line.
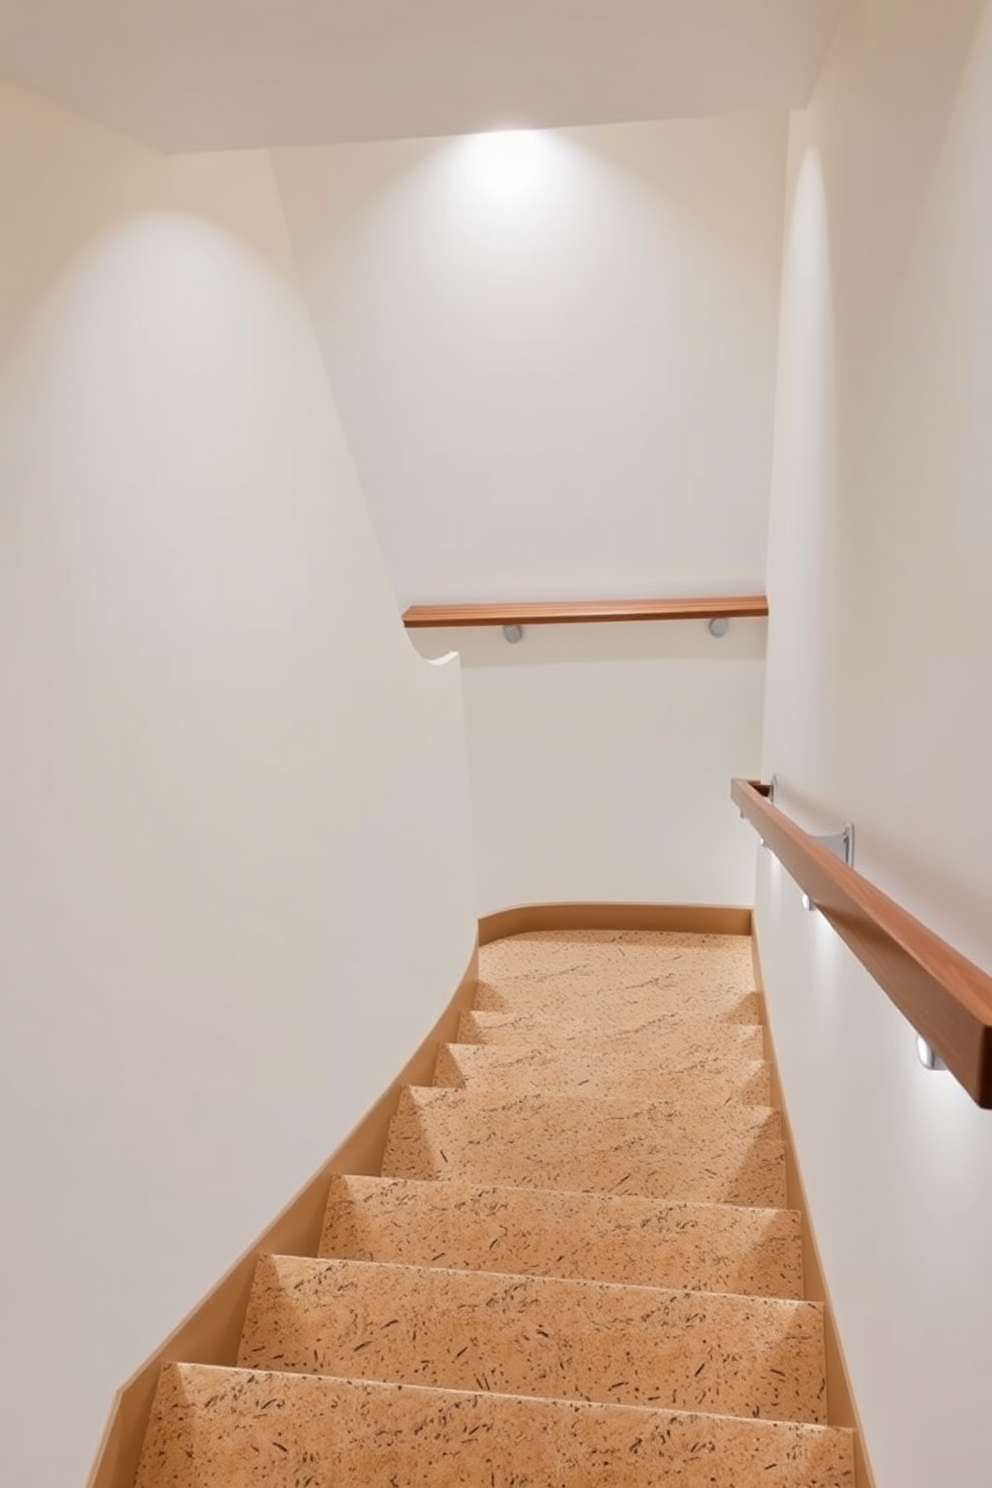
<point>566,996</point>
<point>587,1144</point>
<point>621,958</point>
<point>538,1335</point>
<point>667,1036</point>
<point>705,1082</point>
<point>229,1428</point>
<point>604,1290</point>
<point>551,1232</point>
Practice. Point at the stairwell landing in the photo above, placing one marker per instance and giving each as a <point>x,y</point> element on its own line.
<point>577,1268</point>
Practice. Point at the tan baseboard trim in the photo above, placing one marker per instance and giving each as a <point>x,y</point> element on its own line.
<point>692,919</point>
<point>211,1332</point>
<point>841,1407</point>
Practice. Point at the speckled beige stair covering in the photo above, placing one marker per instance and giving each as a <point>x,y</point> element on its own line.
<point>577,1268</point>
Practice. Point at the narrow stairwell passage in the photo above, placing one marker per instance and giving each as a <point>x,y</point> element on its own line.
<point>576,1269</point>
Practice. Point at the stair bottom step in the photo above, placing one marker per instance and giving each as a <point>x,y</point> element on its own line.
<point>229,1428</point>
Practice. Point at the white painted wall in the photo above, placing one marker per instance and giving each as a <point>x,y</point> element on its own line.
<point>554,354</point>
<point>601,759</point>
<point>234,859</point>
<point>879,705</point>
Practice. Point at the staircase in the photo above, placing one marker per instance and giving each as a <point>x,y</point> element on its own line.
<point>577,1267</point>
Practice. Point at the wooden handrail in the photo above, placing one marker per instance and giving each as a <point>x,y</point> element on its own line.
<point>578,611</point>
<point>946,997</point>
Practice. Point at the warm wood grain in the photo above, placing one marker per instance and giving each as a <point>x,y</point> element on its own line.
<point>579,611</point>
<point>946,997</point>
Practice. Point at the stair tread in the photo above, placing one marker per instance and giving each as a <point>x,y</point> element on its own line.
<point>612,1028</point>
<point>604,1287</point>
<point>594,1111</point>
<point>697,1082</point>
<point>556,1232</point>
<point>584,1143</point>
<point>538,1335</point>
<point>568,996</point>
<point>226,1428</point>
<point>619,958</point>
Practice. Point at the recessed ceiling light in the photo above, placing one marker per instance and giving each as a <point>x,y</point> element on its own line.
<point>510,163</point>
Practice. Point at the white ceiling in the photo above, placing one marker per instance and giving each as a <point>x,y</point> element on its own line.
<point>220,74</point>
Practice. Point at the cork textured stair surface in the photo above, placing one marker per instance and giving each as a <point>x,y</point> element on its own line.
<point>669,1036</point>
<point>578,1000</point>
<point>576,1269</point>
<point>243,1429</point>
<point>697,1082</point>
<point>655,1148</point>
<point>553,1232</point>
<point>537,1335</point>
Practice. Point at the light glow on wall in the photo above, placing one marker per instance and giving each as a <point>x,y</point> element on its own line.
<point>809,296</point>
<point>510,165</point>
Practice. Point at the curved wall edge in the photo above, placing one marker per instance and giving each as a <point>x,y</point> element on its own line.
<point>209,1334</point>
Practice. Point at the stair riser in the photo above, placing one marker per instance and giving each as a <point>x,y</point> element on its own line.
<point>702,1085</point>
<point>580,1236</point>
<point>229,1429</point>
<point>755,1178</point>
<point>465,1330</point>
<point>657,997</point>
<point>584,1145</point>
<point>662,1040</point>
<point>627,1113</point>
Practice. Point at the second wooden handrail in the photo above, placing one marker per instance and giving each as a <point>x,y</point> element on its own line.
<point>577,611</point>
<point>946,997</point>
